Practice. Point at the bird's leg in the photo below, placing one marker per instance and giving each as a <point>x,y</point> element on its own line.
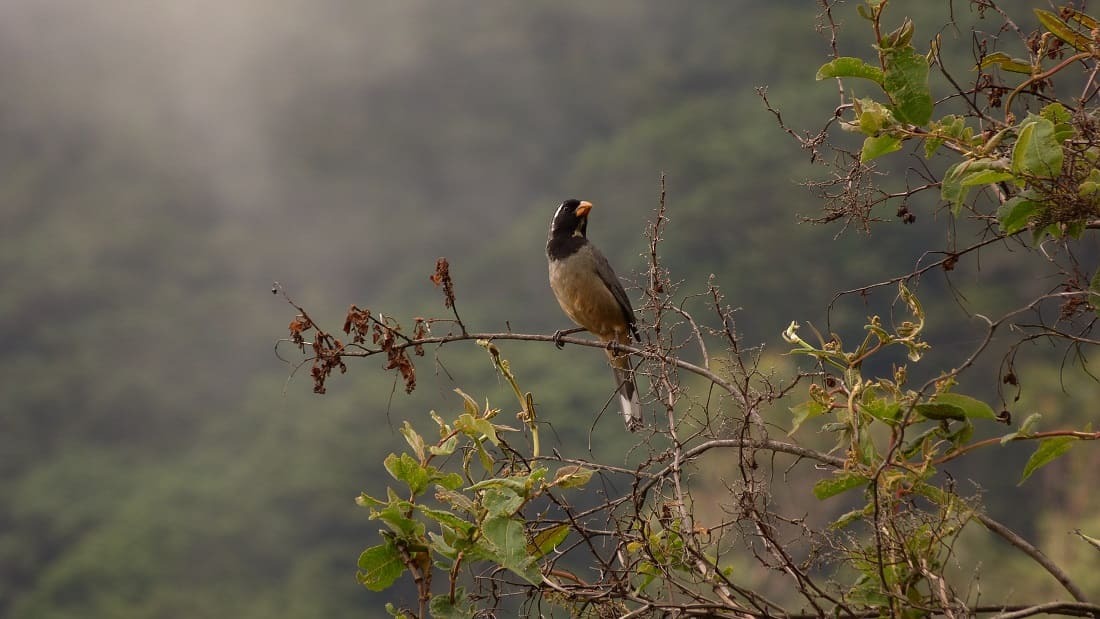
<point>560,333</point>
<point>613,347</point>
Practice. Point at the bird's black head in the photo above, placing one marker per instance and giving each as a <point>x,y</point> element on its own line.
<point>571,219</point>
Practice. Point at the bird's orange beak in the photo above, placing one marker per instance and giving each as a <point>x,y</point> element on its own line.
<point>583,208</point>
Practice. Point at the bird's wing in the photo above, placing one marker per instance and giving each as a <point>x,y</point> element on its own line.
<point>607,274</point>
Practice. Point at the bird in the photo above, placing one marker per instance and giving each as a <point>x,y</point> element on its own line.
<point>591,295</point>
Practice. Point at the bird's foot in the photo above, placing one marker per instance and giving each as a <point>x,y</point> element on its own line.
<point>557,339</point>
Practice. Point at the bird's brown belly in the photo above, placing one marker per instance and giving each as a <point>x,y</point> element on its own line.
<point>587,301</point>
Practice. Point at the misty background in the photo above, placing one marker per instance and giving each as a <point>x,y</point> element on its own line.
<point>161,164</point>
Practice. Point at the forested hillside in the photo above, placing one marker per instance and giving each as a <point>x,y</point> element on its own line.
<point>164,163</point>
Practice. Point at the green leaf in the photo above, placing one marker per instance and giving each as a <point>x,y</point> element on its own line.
<point>906,82</point>
<point>413,439</point>
<point>804,411</point>
<point>846,66</point>
<point>838,483</point>
<point>380,566</point>
<point>871,116</point>
<point>446,448</point>
<point>457,523</point>
<point>547,540</point>
<point>572,476</point>
<point>500,501</point>
<point>477,427</point>
<point>877,146</point>
<point>1006,62</point>
<point>484,458</point>
<point>366,500</point>
<point>408,470</point>
<point>986,177</point>
<point>509,547</point>
<point>394,517</point>
<point>971,408</point>
<point>1049,449</point>
<point>940,411</point>
<point>900,37</point>
<point>469,405</point>
<point>450,481</point>
<point>1062,30</point>
<point>1016,213</point>
<point>1037,151</point>
<point>1061,117</point>
<point>885,410</point>
<point>441,606</point>
<point>959,178</point>
<point>457,500</point>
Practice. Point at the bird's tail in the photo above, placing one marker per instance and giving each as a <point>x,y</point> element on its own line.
<point>628,391</point>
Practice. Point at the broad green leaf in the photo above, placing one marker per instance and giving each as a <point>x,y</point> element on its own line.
<point>509,547</point>
<point>971,408</point>
<point>1062,30</point>
<point>986,177</point>
<point>871,116</point>
<point>1061,117</point>
<point>394,517</point>
<point>804,411</point>
<point>1091,185</point>
<point>380,566</point>
<point>940,411</point>
<point>457,523</point>
<point>441,544</point>
<point>408,470</point>
<point>846,66</point>
<point>484,458</point>
<point>832,486</point>
<point>500,501</point>
<point>456,500</point>
<point>1037,151</point>
<point>517,484</point>
<point>547,540</point>
<point>1016,213</point>
<point>1006,62</point>
<point>885,410</point>
<point>906,82</point>
<point>477,427</point>
<point>441,606</point>
<point>366,500</point>
<point>446,448</point>
<point>952,189</point>
<point>450,481</point>
<point>1049,449</point>
<point>877,146</point>
<point>572,476</point>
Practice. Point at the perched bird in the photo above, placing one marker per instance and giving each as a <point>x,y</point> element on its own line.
<point>591,295</point>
